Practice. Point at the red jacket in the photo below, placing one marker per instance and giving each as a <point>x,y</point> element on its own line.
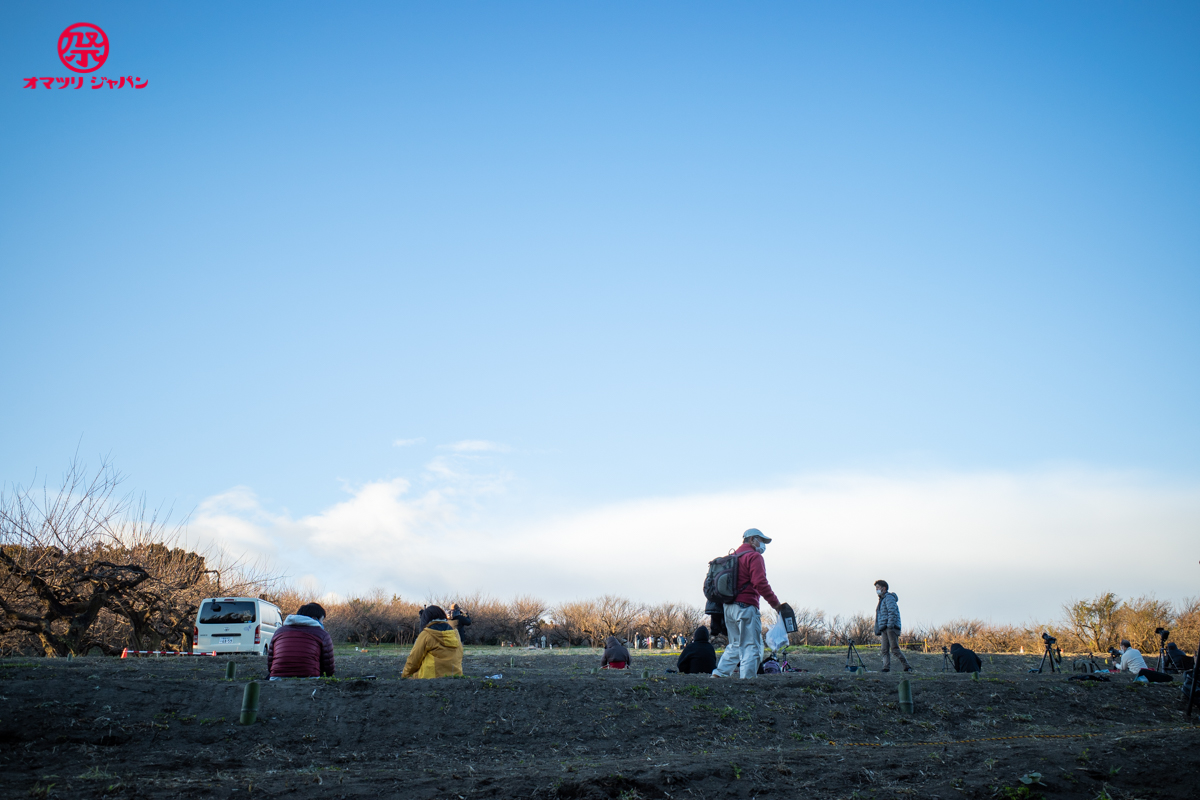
<point>300,651</point>
<point>752,572</point>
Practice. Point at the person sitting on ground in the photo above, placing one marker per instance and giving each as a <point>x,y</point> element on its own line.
<point>616,655</point>
<point>301,647</point>
<point>964,659</point>
<point>887,625</point>
<point>1179,659</point>
<point>699,657</point>
<point>1132,661</point>
<point>438,651</point>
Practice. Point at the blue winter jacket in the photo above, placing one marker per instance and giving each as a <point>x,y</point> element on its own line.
<point>887,613</point>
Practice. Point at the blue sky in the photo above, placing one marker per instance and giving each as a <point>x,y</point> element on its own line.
<point>631,251</point>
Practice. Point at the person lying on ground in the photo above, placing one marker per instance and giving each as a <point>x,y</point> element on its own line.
<point>301,647</point>
<point>964,659</point>
<point>1132,661</point>
<point>437,652</point>
<point>616,655</point>
<point>699,656</point>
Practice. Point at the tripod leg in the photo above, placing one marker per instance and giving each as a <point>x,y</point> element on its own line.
<point>1195,677</point>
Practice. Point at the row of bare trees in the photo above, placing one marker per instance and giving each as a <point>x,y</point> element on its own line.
<point>83,568</point>
<point>378,618</point>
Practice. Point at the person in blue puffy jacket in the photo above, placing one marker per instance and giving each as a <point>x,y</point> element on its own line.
<point>887,626</point>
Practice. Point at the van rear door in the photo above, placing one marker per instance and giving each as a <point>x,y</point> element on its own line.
<point>228,622</point>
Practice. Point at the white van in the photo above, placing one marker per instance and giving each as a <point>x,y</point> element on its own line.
<point>235,625</point>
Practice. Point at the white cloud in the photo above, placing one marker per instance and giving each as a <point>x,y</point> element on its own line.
<point>407,442</point>
<point>1002,546</point>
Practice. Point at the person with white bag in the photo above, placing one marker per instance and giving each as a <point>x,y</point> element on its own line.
<point>742,618</point>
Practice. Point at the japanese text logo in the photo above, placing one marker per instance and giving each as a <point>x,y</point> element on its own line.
<point>83,47</point>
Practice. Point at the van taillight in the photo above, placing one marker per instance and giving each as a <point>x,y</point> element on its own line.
<point>257,629</point>
<point>195,635</point>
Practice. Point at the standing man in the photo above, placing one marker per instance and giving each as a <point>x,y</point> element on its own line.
<point>887,626</point>
<point>745,648</point>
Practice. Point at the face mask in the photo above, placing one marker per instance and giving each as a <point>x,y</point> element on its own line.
<point>879,592</point>
<point>760,547</point>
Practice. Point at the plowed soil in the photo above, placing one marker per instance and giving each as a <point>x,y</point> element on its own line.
<point>548,728</point>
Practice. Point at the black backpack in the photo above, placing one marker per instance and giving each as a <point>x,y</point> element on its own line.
<point>722,583</point>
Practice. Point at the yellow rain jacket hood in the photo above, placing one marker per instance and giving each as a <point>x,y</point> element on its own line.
<point>438,652</point>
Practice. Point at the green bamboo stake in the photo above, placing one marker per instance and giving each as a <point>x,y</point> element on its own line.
<point>906,697</point>
<point>250,703</point>
<point>230,670</point>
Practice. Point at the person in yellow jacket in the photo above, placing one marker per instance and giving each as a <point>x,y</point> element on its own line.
<point>438,651</point>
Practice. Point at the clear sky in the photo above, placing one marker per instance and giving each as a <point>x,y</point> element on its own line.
<point>424,296</point>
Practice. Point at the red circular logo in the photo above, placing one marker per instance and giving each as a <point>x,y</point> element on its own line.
<point>83,47</point>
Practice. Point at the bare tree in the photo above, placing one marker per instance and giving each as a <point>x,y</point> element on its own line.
<point>573,622</point>
<point>858,628</point>
<point>670,619</point>
<point>614,616</point>
<point>524,616</point>
<point>81,567</point>
<point>1094,622</point>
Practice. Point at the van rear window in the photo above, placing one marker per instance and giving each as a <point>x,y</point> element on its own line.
<point>215,612</point>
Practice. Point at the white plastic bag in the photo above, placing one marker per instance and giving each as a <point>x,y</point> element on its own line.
<point>777,635</point>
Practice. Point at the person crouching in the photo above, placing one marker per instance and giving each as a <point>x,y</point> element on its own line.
<point>301,647</point>
<point>616,655</point>
<point>964,659</point>
<point>438,651</point>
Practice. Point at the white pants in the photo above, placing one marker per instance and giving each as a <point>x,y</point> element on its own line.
<point>745,647</point>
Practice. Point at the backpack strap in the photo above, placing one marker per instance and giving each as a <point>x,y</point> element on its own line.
<point>746,583</point>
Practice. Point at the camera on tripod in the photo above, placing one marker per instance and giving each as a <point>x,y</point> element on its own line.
<point>1163,633</point>
<point>1049,653</point>
<point>1115,653</point>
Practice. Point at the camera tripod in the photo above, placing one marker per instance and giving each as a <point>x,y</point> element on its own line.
<point>1164,663</point>
<point>945,659</point>
<point>851,653</point>
<point>1049,653</point>
<point>1195,677</point>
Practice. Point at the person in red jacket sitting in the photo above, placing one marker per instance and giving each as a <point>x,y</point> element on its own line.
<point>301,647</point>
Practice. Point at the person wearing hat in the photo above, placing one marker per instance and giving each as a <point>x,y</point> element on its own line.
<point>742,619</point>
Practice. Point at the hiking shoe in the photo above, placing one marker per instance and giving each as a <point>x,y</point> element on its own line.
<point>886,669</point>
<point>908,669</point>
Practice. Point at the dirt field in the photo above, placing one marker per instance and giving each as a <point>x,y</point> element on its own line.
<point>549,728</point>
